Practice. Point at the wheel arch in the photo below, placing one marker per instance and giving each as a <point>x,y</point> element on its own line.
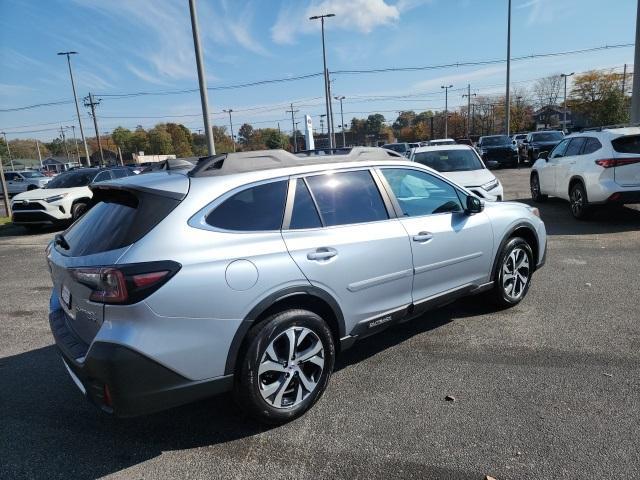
<point>524,230</point>
<point>86,200</point>
<point>307,297</point>
<point>573,180</point>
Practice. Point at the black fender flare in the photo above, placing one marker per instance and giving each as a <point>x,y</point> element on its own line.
<point>505,239</point>
<point>265,303</point>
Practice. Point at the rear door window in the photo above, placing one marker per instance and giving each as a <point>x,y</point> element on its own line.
<point>347,198</point>
<point>119,173</point>
<point>257,208</point>
<point>592,145</point>
<point>575,147</point>
<point>304,213</point>
<point>560,149</point>
<point>102,176</point>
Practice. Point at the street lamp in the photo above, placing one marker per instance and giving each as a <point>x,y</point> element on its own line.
<point>340,98</point>
<point>202,80</point>
<point>564,121</point>
<point>75,141</point>
<point>231,125</point>
<point>326,76</point>
<point>75,99</point>
<point>446,109</point>
<point>507,100</point>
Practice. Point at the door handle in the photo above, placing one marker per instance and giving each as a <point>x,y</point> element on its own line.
<point>322,253</point>
<point>422,237</point>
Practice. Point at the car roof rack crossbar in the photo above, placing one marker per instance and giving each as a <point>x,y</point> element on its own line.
<point>245,162</point>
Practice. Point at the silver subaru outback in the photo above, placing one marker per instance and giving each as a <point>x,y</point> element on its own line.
<point>251,272</point>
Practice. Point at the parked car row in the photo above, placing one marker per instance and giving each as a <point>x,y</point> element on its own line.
<point>22,181</point>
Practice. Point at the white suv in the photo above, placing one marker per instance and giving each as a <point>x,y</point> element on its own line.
<point>18,182</point>
<point>63,200</point>
<point>590,168</point>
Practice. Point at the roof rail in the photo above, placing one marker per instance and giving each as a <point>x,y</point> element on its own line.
<point>244,162</point>
<point>609,127</point>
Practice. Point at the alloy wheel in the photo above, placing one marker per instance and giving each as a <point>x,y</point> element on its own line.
<point>515,273</point>
<point>535,187</point>
<point>291,367</point>
<point>577,202</point>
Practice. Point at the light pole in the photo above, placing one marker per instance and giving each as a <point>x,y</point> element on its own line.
<point>326,76</point>
<point>8,150</point>
<point>564,121</point>
<point>75,141</point>
<point>446,109</point>
<point>507,101</point>
<point>233,140</point>
<point>635,93</point>
<point>322,117</point>
<point>469,95</point>
<point>340,98</point>
<point>204,100</point>
<point>75,99</point>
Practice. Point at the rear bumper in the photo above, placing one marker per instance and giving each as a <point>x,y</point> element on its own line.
<point>124,382</point>
<point>629,196</point>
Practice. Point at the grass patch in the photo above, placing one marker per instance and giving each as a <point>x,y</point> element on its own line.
<point>4,220</point>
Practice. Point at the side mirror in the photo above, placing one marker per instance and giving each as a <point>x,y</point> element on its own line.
<point>544,155</point>
<point>514,142</point>
<point>491,163</point>
<point>525,141</point>
<point>474,205</point>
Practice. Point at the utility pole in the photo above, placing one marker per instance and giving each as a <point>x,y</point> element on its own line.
<point>204,100</point>
<point>5,193</point>
<point>431,118</point>
<point>64,143</point>
<point>327,90</point>
<point>624,80</point>
<point>75,99</point>
<point>39,154</point>
<point>6,142</point>
<point>473,118</point>
<point>75,141</point>
<point>507,101</point>
<point>564,122</point>
<point>293,127</point>
<point>340,98</point>
<point>91,103</point>
<point>331,122</point>
<point>295,137</point>
<point>635,95</point>
<point>279,128</point>
<point>446,109</point>
<point>233,140</point>
<point>468,95</point>
<point>322,124</point>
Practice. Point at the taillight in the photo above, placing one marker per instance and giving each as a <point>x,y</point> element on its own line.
<point>108,284</point>
<point>617,162</point>
<point>125,284</point>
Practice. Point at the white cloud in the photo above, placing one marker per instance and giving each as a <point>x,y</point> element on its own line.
<point>543,11</point>
<point>359,15</point>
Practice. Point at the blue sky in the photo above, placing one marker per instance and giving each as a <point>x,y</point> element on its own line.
<point>146,45</point>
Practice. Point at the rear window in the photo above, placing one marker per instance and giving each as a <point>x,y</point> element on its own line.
<point>628,144</point>
<point>118,219</point>
<point>547,137</point>
<point>450,160</point>
<point>257,208</point>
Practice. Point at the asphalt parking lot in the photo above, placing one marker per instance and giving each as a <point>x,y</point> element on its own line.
<point>549,389</point>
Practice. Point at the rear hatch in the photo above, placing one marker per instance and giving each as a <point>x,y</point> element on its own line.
<point>122,214</point>
<point>626,171</point>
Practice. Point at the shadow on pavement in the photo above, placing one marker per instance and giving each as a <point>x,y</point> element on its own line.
<point>49,430</point>
<point>559,221</point>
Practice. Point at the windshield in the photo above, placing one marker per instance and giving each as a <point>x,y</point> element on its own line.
<point>72,179</point>
<point>520,137</point>
<point>547,137</point>
<point>31,174</point>
<point>497,140</point>
<point>449,160</point>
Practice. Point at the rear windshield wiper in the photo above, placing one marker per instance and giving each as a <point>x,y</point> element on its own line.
<point>60,240</point>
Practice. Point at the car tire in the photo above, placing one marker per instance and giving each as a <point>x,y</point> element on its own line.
<point>270,385</point>
<point>31,187</point>
<point>77,210</point>
<point>536,195</point>
<point>32,228</point>
<point>510,288</point>
<point>579,202</point>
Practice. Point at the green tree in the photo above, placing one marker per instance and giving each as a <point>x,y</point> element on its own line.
<point>245,133</point>
<point>598,97</point>
<point>180,139</point>
<point>139,140</point>
<point>160,140</point>
<point>222,139</point>
<point>375,123</point>
<point>122,137</point>
<point>405,119</point>
<point>273,139</point>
